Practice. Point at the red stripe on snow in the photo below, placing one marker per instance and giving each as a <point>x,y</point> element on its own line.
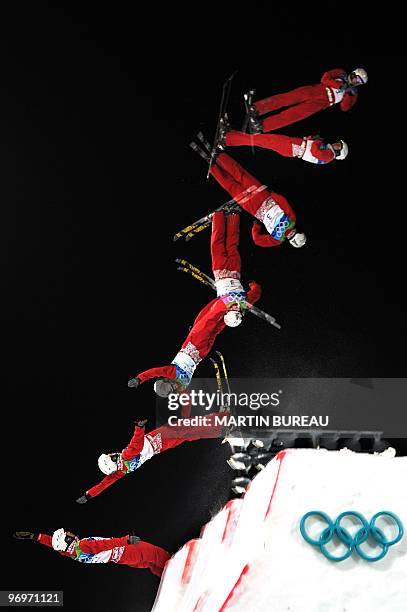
<point>231,506</point>
<point>201,601</point>
<point>188,563</point>
<point>244,571</point>
<point>280,456</point>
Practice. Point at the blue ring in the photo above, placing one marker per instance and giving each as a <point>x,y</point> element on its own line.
<point>326,518</point>
<point>385,548</point>
<point>327,554</point>
<point>395,519</point>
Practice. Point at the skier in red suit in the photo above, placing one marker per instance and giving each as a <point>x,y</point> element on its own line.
<point>142,447</point>
<point>225,310</point>
<point>310,148</point>
<point>336,87</point>
<point>275,218</point>
<point>127,550</point>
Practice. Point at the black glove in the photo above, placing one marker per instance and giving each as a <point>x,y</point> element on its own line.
<point>141,423</point>
<point>83,499</point>
<point>133,382</point>
<point>25,535</point>
<point>133,539</point>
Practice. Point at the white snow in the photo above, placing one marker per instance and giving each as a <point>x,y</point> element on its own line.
<point>252,557</point>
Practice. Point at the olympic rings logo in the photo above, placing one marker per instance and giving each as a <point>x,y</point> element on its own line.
<point>355,542</point>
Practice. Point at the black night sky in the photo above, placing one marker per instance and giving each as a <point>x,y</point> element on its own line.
<point>98,106</point>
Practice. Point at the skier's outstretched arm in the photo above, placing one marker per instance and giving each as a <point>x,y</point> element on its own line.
<point>261,237</point>
<point>106,482</point>
<point>135,446</point>
<point>167,371</point>
<point>254,293</point>
<point>46,539</point>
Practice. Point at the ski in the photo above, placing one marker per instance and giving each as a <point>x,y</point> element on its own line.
<point>187,267</point>
<point>231,205</point>
<point>204,141</point>
<point>217,374</point>
<point>225,374</point>
<point>195,275</point>
<point>209,282</point>
<point>200,151</point>
<point>263,315</point>
<point>248,99</point>
<point>225,407</point>
<point>222,109</point>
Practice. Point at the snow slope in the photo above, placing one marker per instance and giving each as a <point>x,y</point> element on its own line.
<point>251,556</point>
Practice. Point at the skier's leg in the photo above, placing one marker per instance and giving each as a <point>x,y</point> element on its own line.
<point>240,184</point>
<point>232,243</point>
<point>293,114</point>
<point>145,555</point>
<point>226,180</point>
<point>277,142</point>
<point>300,94</point>
<point>218,247</point>
<point>240,175</point>
<point>249,203</point>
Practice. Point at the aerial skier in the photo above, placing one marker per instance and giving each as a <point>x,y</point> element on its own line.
<point>143,447</point>
<point>128,550</point>
<point>225,310</point>
<point>336,87</point>
<point>275,219</point>
<point>310,148</point>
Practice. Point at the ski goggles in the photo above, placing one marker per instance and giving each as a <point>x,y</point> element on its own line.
<point>355,79</point>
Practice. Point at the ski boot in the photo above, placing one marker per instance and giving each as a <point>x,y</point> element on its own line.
<point>224,128</point>
<point>255,124</point>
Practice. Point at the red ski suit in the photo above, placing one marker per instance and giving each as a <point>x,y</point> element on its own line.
<point>143,446</point>
<point>305,101</point>
<point>235,180</point>
<point>288,146</point>
<point>225,254</point>
<point>140,555</point>
<point>207,325</point>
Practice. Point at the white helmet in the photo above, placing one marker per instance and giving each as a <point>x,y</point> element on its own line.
<point>298,240</point>
<point>233,318</point>
<point>163,387</point>
<point>362,74</point>
<point>343,152</point>
<point>60,541</point>
<point>106,464</point>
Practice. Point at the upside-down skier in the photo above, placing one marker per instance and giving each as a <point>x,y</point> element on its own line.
<point>336,87</point>
<point>128,550</point>
<point>225,310</point>
<point>143,447</point>
<point>275,219</point>
<point>310,148</point>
